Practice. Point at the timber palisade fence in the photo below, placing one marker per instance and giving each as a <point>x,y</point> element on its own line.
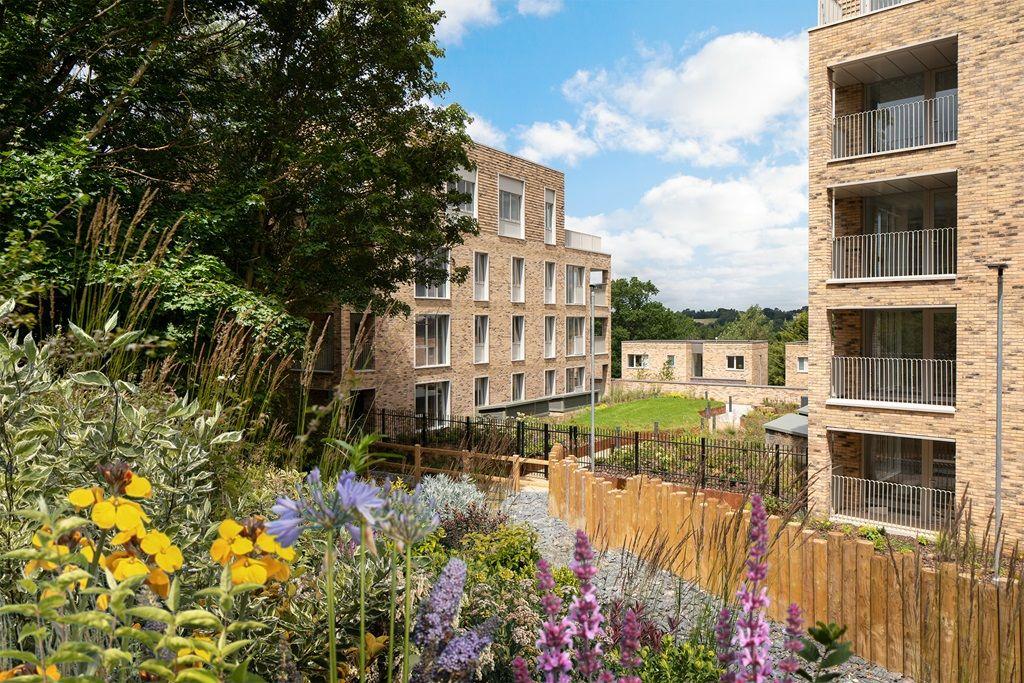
<point>709,463</point>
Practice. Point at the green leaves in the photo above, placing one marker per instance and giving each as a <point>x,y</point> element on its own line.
<point>90,378</point>
<point>826,651</point>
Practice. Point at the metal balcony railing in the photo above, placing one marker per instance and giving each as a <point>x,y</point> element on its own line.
<point>916,381</point>
<point>583,241</point>
<point>890,129</point>
<point>600,345</point>
<point>831,11</point>
<point>891,255</point>
<point>891,504</point>
<point>600,296</point>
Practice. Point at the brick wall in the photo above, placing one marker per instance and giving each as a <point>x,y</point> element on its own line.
<point>746,394</point>
<point>715,360</point>
<point>794,377</point>
<point>986,158</point>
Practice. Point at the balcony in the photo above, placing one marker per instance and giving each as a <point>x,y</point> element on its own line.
<point>600,345</point>
<point>911,383</point>
<point>832,11</point>
<point>583,241</point>
<point>892,505</point>
<point>894,128</point>
<point>600,295</point>
<point>903,255</point>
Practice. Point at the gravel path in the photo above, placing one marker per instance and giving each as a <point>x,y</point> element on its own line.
<point>662,593</point>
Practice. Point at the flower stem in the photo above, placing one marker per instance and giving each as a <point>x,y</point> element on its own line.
<point>362,603</point>
<point>408,612</point>
<point>391,614</point>
<point>332,636</point>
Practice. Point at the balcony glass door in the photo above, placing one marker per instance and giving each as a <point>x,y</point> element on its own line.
<point>901,124</point>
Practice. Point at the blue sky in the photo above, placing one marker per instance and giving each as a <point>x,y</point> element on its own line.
<point>681,128</point>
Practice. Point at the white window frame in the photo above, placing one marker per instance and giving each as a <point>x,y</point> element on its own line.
<point>571,289</point>
<point>469,177</point>
<point>581,350</point>
<point>550,219</point>
<point>438,420</point>
<point>550,336</point>
<point>550,385</point>
<point>487,391</point>
<point>550,281</point>
<point>486,343</point>
<point>631,360</point>
<point>735,362</point>
<point>522,387</point>
<point>512,338</point>
<point>445,286</point>
<point>517,297</point>
<point>802,363</point>
<point>670,360</point>
<point>447,344</point>
<point>574,387</point>
<point>486,284</point>
<point>505,225</point>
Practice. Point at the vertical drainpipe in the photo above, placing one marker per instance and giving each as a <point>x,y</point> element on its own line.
<point>998,511</point>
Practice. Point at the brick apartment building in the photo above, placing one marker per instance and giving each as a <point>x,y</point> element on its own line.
<point>916,137</point>
<point>513,337</point>
<point>704,360</point>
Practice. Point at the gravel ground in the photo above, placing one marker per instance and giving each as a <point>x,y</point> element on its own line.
<point>662,593</point>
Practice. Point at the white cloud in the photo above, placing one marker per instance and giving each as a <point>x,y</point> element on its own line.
<point>704,108</point>
<point>483,131</point>
<point>460,15</point>
<point>560,140</point>
<point>539,8</point>
<point>729,242</point>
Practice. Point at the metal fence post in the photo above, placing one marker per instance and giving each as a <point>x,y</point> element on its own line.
<point>702,470</point>
<point>469,433</point>
<point>778,465</point>
<point>520,438</point>
<point>547,440</point>
<point>636,452</point>
<point>380,424</point>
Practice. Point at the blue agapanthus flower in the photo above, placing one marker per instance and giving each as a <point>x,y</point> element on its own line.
<point>352,504</point>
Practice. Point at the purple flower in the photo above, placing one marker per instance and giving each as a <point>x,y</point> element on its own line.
<point>408,518</point>
<point>462,653</point>
<point>629,647</point>
<point>554,661</point>
<point>436,621</point>
<point>794,629</point>
<point>520,671</point>
<point>586,612</point>
<point>352,505</point>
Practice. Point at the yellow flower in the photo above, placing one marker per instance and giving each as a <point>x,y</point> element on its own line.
<point>230,542</point>
<point>102,602</point>
<point>122,537</point>
<point>127,567</point>
<point>168,557</point>
<point>269,544</point>
<point>246,570</point>
<point>84,498</point>
<point>120,512</point>
<point>199,652</point>
<point>138,486</point>
<point>158,581</point>
<point>51,673</point>
<point>275,569</point>
<point>46,565</point>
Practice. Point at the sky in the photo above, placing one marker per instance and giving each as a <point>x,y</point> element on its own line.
<point>681,126</point>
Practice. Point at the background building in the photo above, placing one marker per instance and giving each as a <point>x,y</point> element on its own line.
<point>718,361</point>
<point>915,176</point>
<point>797,364</point>
<point>515,335</point>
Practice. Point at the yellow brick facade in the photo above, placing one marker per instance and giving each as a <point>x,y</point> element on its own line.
<point>987,161</point>
<point>795,376</point>
<point>715,352</point>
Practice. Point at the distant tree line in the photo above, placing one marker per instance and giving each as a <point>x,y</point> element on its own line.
<point>637,314</point>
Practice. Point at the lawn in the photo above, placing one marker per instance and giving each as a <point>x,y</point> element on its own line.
<point>670,412</point>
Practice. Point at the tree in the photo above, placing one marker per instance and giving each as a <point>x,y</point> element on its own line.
<point>636,315</point>
<point>292,138</point>
<point>751,324</point>
<point>793,330</point>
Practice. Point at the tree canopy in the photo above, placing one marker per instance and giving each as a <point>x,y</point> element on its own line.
<point>288,149</point>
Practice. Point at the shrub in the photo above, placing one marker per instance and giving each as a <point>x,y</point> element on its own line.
<point>448,494</point>
<point>507,554</point>
<point>476,518</point>
<point>677,660</point>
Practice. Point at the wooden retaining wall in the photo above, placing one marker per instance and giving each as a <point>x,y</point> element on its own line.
<point>930,623</point>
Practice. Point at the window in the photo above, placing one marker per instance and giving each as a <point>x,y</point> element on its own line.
<point>360,338</point>
<point>574,336</point>
<point>481,338</point>
<point>481,391</point>
<point>549,216</point>
<point>549,336</point>
<point>465,185</point>
<point>431,340</point>
<point>481,276</point>
<point>518,294</point>
<point>574,379</point>
<point>324,361</point>
<point>518,386</point>
<point>550,378</point>
<point>425,288</point>
<point>432,401</point>
<point>637,360</point>
<point>549,282</point>
<point>575,284</point>
<point>670,361</point>
<point>518,333</point>
<point>734,362</point>
<point>801,364</point>
<point>510,207</point>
